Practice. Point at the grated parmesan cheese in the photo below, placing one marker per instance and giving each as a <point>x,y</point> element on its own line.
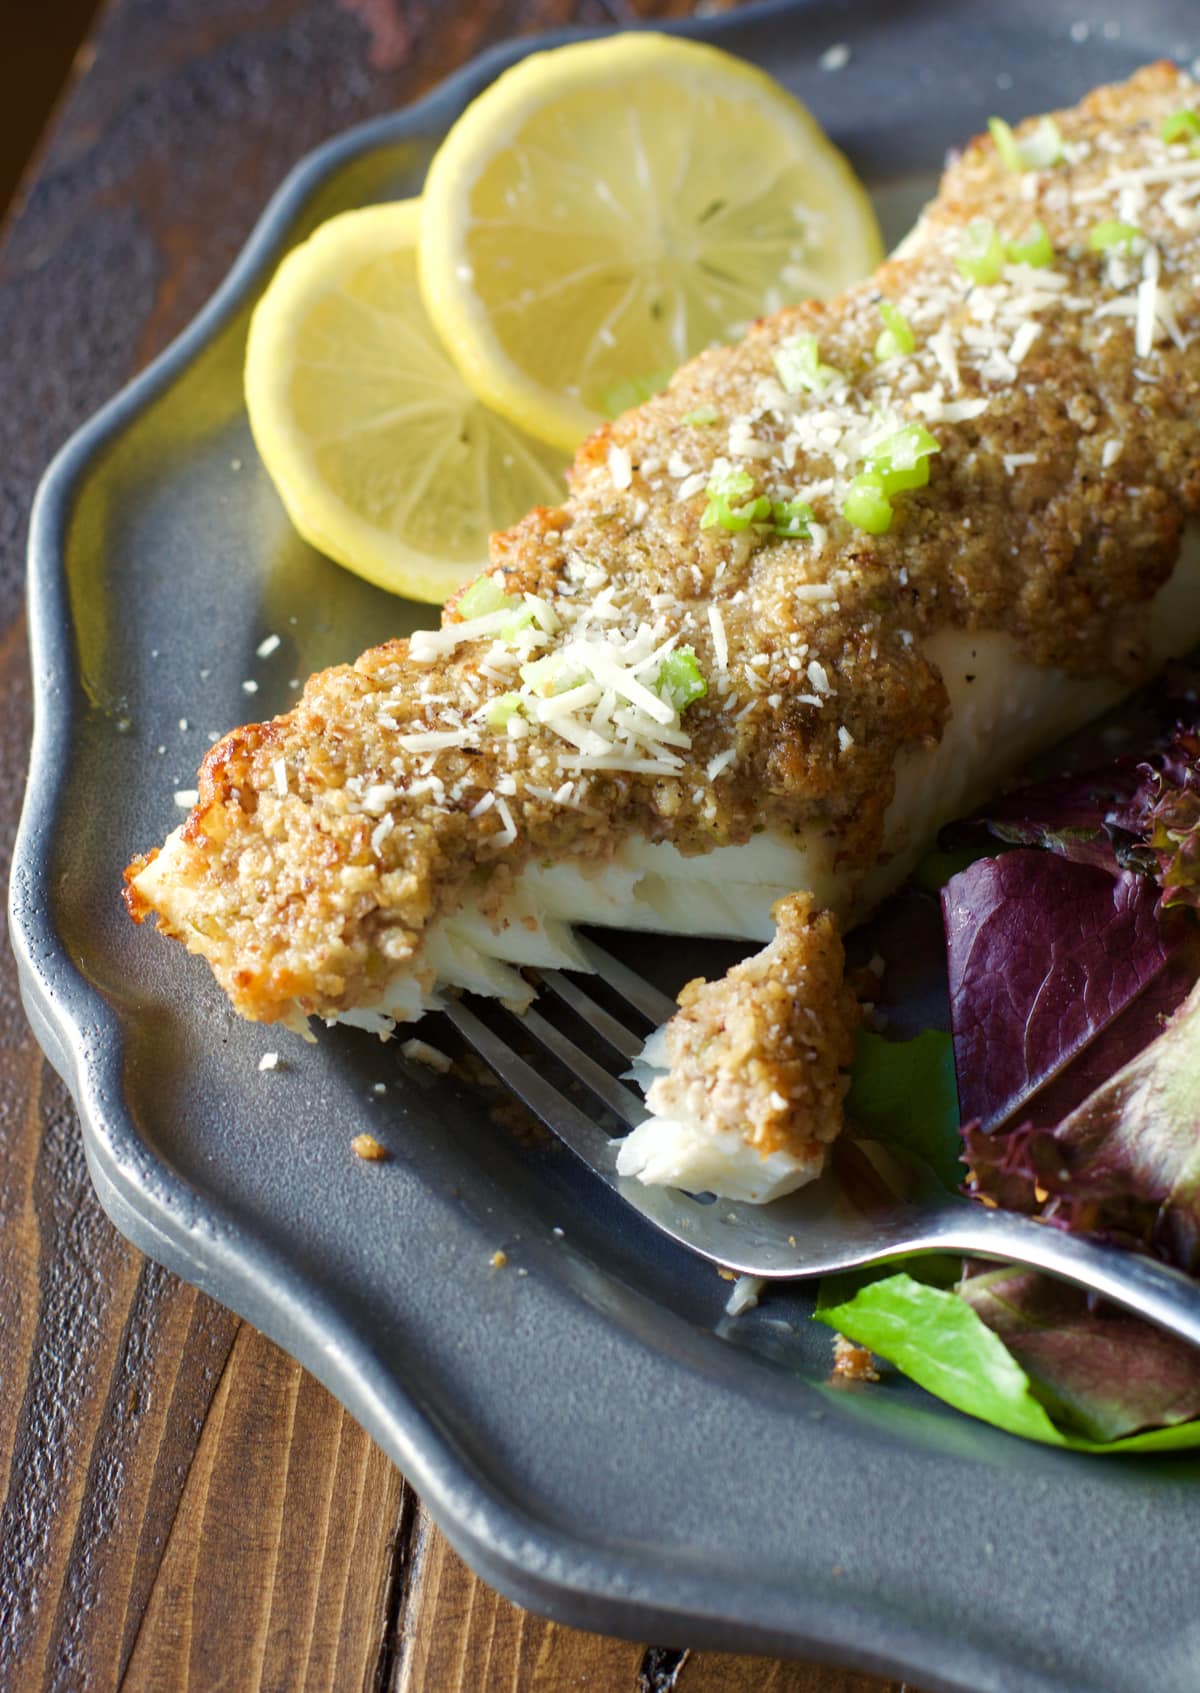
<point>508,833</point>
<point>1147,303</point>
<point>420,1052</point>
<point>720,641</point>
<point>745,1295</point>
<point>620,468</point>
<point>432,740</point>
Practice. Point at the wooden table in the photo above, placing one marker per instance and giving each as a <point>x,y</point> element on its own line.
<point>183,1506</point>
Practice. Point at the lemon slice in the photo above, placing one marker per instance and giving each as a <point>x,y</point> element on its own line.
<point>383,457</point>
<point>605,210</point>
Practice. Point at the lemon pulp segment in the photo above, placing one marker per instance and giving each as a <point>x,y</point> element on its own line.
<point>384,458</point>
<point>606,210</point>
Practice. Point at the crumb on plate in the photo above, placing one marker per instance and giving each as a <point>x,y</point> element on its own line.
<point>852,1362</point>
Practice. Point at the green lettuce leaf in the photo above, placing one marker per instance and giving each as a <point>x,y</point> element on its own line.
<point>904,1092</point>
<point>937,867</point>
<point>938,1339</point>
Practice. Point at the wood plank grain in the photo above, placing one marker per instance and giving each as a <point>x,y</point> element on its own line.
<point>457,1634</point>
<point>280,1559</point>
<point>181,1507</point>
<point>720,1672</point>
<point>96,1381</point>
<point>105,1361</point>
<point>45,57</point>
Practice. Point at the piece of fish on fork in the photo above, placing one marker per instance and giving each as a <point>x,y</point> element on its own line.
<point>870,1204</point>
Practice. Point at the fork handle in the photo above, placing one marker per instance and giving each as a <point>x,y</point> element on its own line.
<point>1145,1286</point>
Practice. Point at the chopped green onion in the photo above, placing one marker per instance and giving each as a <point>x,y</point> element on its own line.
<point>633,391</point>
<point>553,674</point>
<point>1181,126</point>
<point>902,460</point>
<point>539,670</point>
<point>484,596</point>
<point>501,709</point>
<point>722,490</point>
<point>980,255</point>
<point>798,361</point>
<point>702,415</point>
<point>733,518</point>
<point>679,679</point>
<point>1111,234</point>
<point>1040,149</point>
<point>896,338</point>
<point>898,481</point>
<point>1006,144</point>
<point>866,504</point>
<point>524,618</point>
<point>1033,248</point>
<point>791,519</point>
<point>731,483</point>
<point>906,446</point>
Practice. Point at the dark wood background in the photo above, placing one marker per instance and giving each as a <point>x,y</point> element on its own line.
<point>181,1506</point>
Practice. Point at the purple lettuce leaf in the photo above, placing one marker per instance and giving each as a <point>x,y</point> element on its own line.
<point>1067,815</point>
<point>1131,1029</point>
<point>1133,811</point>
<point>1048,959</point>
<point>1074,984</point>
<point>1161,817</point>
<point>1095,1368</point>
<point>1125,1163</point>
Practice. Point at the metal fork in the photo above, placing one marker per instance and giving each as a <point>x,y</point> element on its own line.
<point>868,1207</point>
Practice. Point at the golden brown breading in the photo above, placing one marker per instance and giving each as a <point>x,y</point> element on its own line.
<point>323,844</point>
<point>763,1050</point>
<point>851,1362</point>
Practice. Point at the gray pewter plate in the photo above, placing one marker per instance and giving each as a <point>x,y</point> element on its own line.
<point>590,1430</point>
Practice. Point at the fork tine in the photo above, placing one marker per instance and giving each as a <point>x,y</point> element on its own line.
<point>642,995</point>
<point>621,1101</point>
<point>564,1120</point>
<point>595,1016</point>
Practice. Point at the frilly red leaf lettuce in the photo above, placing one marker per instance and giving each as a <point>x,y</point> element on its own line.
<point>1125,1163</point>
<point>1162,819</point>
<point>1095,1368</point>
<point>1140,813</point>
<point>1076,1021</point>
<point>1067,815</point>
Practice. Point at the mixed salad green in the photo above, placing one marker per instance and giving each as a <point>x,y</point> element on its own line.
<point>1067,1086</point>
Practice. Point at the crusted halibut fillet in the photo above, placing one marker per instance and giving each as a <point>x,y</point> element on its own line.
<point>698,687</point>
